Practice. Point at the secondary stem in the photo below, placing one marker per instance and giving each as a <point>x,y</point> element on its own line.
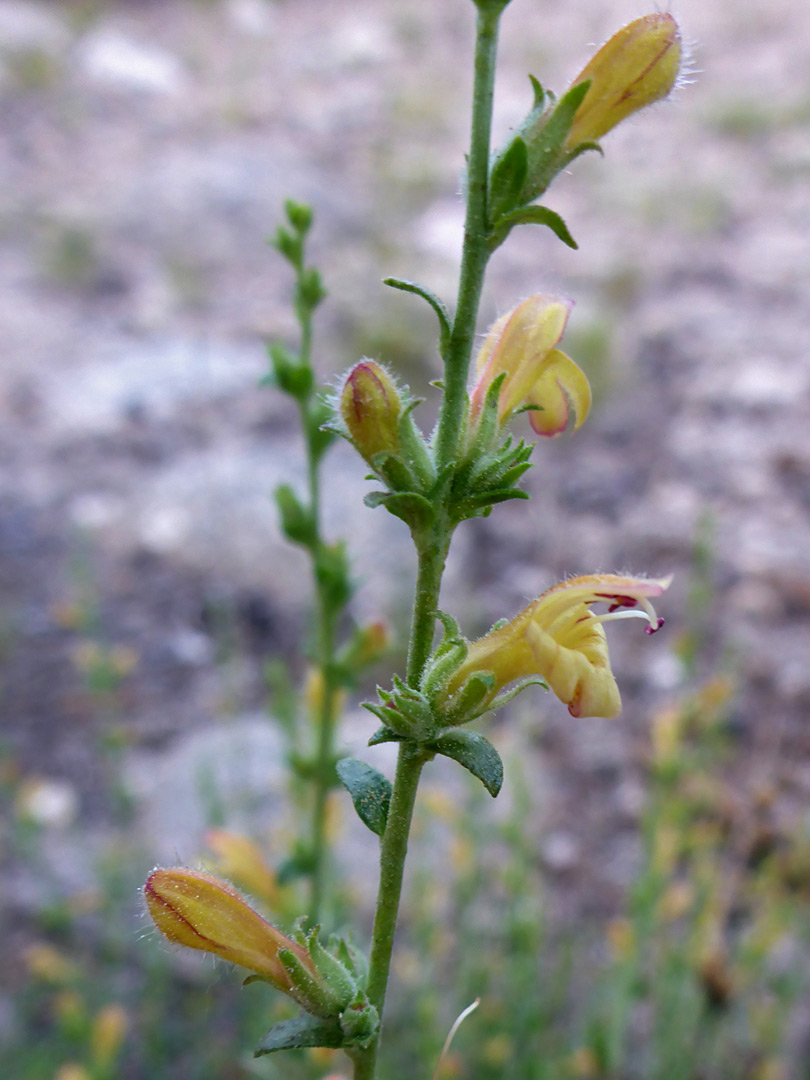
<point>324,712</point>
<point>325,709</point>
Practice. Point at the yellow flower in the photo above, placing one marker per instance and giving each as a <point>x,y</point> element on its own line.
<point>201,912</point>
<point>637,66</point>
<point>522,343</point>
<point>560,639</point>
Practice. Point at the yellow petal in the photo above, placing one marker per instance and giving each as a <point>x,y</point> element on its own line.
<point>518,343</point>
<point>561,385</point>
<point>580,677</point>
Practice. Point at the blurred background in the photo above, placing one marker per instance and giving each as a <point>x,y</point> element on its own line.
<point>637,899</point>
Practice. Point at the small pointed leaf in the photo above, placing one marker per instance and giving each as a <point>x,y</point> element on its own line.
<point>434,301</point>
<point>411,508</point>
<point>301,1031</point>
<point>539,93</point>
<point>383,735</point>
<point>370,792</point>
<point>476,754</point>
<point>508,177</point>
<point>532,215</point>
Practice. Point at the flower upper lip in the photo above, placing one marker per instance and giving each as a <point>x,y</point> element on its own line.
<point>522,344</point>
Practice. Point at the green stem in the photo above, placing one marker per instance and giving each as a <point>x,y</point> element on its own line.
<point>476,251</point>
<point>432,552</point>
<point>392,865</point>
<point>432,549</point>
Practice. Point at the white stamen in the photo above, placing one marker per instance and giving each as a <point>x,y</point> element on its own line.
<point>626,613</point>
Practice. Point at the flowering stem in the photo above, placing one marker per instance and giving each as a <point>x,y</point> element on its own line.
<point>476,251</point>
<point>432,545</point>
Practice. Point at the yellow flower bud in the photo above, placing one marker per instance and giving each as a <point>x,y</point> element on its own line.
<point>201,912</point>
<point>522,343</point>
<point>240,859</point>
<point>637,66</point>
<point>371,407</point>
<point>560,639</point>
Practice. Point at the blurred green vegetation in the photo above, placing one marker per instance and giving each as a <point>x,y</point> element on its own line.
<point>700,974</point>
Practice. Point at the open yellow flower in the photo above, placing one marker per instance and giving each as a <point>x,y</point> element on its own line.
<point>560,639</point>
<point>522,343</point>
<point>201,912</point>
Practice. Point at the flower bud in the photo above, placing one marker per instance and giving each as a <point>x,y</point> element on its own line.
<point>371,408</point>
<point>636,67</point>
<point>201,912</point>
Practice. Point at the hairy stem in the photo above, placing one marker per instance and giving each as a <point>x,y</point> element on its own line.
<point>392,865</point>
<point>475,253</point>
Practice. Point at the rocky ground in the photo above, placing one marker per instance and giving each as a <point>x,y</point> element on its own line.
<point>146,150</point>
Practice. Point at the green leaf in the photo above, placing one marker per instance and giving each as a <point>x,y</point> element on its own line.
<point>301,1031</point>
<point>560,121</point>
<point>507,178</point>
<point>411,508</point>
<point>297,522</point>
<point>384,735</point>
<point>476,754</point>
<point>434,301</point>
<point>531,215</point>
<point>370,792</point>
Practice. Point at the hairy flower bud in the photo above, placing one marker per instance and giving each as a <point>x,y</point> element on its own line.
<point>201,912</point>
<point>371,408</point>
<point>636,67</point>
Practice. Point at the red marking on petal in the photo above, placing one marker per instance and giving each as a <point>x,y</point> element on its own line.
<point>618,601</point>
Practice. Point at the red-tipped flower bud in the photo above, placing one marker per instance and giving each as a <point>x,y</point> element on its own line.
<point>371,408</point>
<point>201,912</point>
